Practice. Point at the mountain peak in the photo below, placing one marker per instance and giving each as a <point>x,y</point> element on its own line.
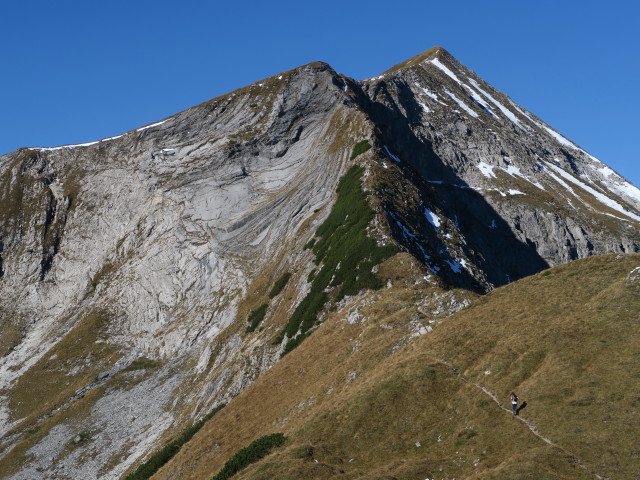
<point>430,54</point>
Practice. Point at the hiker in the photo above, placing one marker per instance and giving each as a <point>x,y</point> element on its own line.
<point>514,403</point>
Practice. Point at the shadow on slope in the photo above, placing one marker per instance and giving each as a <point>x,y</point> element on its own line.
<point>487,239</point>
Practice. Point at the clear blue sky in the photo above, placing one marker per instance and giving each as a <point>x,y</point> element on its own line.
<point>73,71</point>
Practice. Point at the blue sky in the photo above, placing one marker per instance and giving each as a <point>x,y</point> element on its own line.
<point>74,71</point>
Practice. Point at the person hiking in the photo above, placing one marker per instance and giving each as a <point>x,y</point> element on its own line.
<point>514,403</point>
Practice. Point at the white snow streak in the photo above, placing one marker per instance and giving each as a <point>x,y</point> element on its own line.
<point>505,111</point>
<point>601,197</point>
<point>88,144</point>
<point>391,154</point>
<point>604,171</point>
<point>463,105</point>
<point>150,126</point>
<point>429,93</point>
<point>446,70</point>
<point>76,145</point>
<point>551,132</point>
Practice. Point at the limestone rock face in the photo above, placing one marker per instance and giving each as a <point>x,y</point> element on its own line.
<point>129,266</point>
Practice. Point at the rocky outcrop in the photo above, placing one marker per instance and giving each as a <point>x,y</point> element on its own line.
<point>512,195</point>
<point>129,266</point>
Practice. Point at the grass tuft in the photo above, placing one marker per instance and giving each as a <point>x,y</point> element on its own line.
<point>360,148</point>
<point>142,363</point>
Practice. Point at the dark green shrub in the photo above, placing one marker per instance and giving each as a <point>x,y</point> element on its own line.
<point>309,244</point>
<point>255,451</point>
<point>360,148</point>
<point>280,284</point>
<point>346,253</point>
<point>256,316</point>
<point>158,459</point>
<point>312,275</point>
<point>142,363</point>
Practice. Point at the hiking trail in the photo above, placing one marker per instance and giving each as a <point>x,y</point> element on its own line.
<point>529,424</point>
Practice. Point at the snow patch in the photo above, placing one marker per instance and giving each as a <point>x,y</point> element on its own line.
<point>627,189</point>
<point>473,94</point>
<point>455,266</point>
<point>424,107</point>
<point>486,170</point>
<point>432,218</point>
<point>513,170</point>
<point>429,93</point>
<point>604,171</point>
<point>560,181</point>
<point>391,154</point>
<point>76,145</point>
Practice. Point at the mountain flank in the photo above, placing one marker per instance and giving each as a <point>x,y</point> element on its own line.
<point>150,277</point>
<point>375,408</point>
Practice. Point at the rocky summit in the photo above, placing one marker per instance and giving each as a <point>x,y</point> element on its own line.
<point>149,277</point>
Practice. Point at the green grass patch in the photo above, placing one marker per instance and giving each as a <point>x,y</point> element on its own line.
<point>346,253</point>
<point>312,275</point>
<point>142,363</point>
<point>361,147</point>
<point>280,284</point>
<point>258,449</point>
<point>158,459</point>
<point>256,317</point>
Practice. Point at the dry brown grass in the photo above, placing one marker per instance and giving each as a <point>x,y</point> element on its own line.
<point>357,402</point>
<point>49,382</point>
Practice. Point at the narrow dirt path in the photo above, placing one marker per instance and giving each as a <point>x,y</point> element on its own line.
<point>529,424</point>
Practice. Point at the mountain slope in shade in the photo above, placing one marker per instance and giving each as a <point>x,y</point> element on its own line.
<point>129,267</point>
<point>491,170</point>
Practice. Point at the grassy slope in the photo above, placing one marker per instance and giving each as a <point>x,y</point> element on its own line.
<point>565,340</point>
